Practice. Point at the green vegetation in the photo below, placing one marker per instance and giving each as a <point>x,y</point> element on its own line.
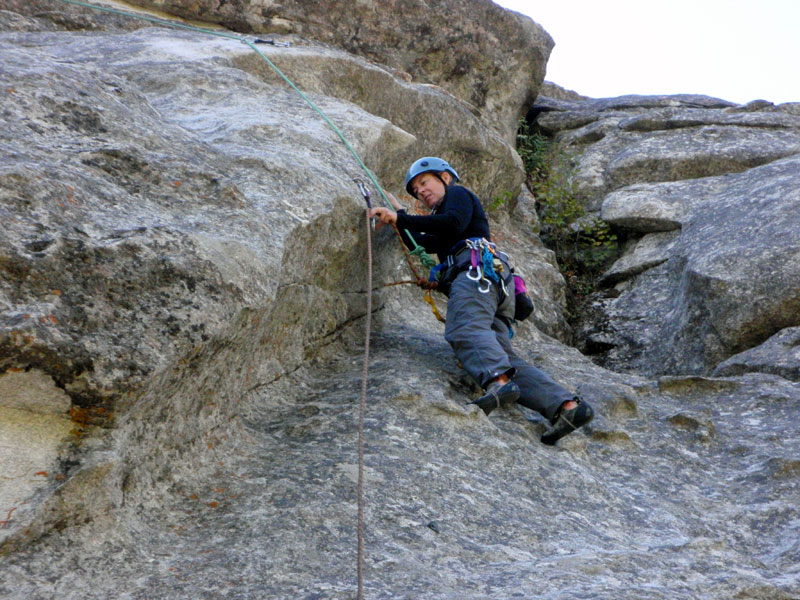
<point>500,201</point>
<point>584,244</point>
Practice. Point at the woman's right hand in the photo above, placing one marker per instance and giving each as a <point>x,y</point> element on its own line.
<point>385,216</point>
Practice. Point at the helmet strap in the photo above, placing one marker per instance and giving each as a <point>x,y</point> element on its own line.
<point>438,176</point>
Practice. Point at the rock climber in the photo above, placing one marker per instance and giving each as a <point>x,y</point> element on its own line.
<point>479,311</point>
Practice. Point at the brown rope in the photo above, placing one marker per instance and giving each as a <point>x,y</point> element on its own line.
<point>361,411</point>
<point>423,283</point>
<point>428,286</point>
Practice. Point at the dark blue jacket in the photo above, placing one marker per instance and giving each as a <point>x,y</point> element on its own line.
<point>458,216</point>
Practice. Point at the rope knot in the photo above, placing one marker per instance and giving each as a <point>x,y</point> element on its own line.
<point>427,285</point>
<point>424,257</point>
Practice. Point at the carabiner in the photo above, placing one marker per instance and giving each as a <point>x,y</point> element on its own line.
<point>488,286</point>
<point>364,192</point>
<point>477,277</point>
<point>503,287</point>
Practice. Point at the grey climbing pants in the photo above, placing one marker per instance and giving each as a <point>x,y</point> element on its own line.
<point>479,338</point>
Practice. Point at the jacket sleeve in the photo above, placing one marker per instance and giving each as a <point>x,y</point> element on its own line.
<point>431,243</point>
<point>451,222</point>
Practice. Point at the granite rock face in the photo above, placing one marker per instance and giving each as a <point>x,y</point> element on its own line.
<point>498,68</point>
<point>148,207</point>
<point>707,195</point>
<point>182,302</point>
<point>779,355</point>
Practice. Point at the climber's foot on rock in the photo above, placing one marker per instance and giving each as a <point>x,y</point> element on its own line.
<point>572,415</point>
<point>498,394</point>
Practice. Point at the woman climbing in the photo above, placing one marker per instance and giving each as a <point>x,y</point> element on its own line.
<point>480,288</point>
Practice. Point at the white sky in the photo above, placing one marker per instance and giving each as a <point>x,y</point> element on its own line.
<point>737,50</point>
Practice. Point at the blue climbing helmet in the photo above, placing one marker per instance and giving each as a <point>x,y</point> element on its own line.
<point>428,164</point>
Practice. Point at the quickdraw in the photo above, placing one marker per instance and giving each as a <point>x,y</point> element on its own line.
<point>485,264</point>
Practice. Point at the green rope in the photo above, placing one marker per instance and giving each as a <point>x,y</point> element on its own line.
<point>418,251</point>
<point>423,256</point>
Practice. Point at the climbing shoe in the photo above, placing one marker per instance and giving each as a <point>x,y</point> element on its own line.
<point>567,421</point>
<point>497,395</point>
